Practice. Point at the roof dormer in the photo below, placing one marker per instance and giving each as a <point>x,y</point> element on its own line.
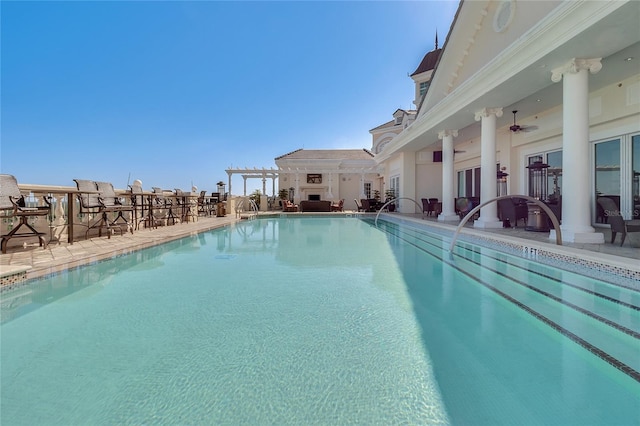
<point>422,75</point>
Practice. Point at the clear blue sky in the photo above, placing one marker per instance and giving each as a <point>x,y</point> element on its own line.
<point>173,93</point>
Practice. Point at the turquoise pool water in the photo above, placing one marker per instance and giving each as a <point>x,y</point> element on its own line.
<point>320,321</point>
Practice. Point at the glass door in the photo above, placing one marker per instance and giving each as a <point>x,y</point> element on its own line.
<point>635,176</point>
<point>606,175</point>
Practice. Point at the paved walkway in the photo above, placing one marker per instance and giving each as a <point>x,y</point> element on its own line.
<point>60,256</point>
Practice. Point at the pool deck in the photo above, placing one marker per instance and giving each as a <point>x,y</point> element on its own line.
<point>32,261</point>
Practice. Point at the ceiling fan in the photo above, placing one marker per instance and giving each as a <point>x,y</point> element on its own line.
<point>515,128</point>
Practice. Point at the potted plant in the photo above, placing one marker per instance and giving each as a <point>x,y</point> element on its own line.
<point>390,194</point>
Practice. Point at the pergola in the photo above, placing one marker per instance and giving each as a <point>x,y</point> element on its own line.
<point>255,173</point>
<point>273,174</point>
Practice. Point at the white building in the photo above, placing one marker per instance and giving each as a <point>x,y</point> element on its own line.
<point>571,70</point>
<point>329,174</point>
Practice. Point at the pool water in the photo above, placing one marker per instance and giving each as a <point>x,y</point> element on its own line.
<point>319,320</point>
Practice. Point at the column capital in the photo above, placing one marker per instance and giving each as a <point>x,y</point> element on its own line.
<point>486,112</point>
<point>576,65</point>
<point>444,133</point>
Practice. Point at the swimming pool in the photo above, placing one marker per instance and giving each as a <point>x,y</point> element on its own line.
<point>320,320</point>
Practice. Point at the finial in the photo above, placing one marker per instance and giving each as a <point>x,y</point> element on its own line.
<point>436,39</point>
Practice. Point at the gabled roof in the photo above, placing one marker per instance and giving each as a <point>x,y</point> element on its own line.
<point>390,123</point>
<point>327,154</point>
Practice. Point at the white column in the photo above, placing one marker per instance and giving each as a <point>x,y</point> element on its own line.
<point>362,194</point>
<point>448,176</point>
<point>229,174</point>
<point>245,185</point>
<point>576,205</point>
<point>264,185</point>
<point>489,213</point>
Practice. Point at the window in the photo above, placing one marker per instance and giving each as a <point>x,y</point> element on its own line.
<point>423,87</point>
<point>314,178</point>
<point>469,182</point>
<point>367,190</point>
<point>554,175</point>
<point>394,186</point>
<point>635,176</point>
<point>616,173</point>
<point>607,173</point>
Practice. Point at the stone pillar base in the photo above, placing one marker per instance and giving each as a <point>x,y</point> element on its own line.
<point>578,237</point>
<point>487,223</point>
<point>448,217</point>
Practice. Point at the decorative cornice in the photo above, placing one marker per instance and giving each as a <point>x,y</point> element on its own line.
<point>576,65</point>
<point>444,133</point>
<point>486,112</point>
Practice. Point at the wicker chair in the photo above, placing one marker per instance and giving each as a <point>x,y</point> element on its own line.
<point>513,210</point>
<point>12,199</point>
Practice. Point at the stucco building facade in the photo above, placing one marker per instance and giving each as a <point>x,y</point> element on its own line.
<point>571,70</point>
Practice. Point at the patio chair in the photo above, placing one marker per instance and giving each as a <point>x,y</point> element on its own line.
<point>163,207</point>
<point>100,198</point>
<point>425,205</point>
<point>183,202</point>
<point>137,203</point>
<point>337,207</point>
<point>115,204</point>
<point>615,219</point>
<point>204,204</point>
<point>512,210</point>
<point>430,206</point>
<point>434,206</point>
<point>366,206</point>
<point>358,205</point>
<point>12,199</point>
<point>288,206</point>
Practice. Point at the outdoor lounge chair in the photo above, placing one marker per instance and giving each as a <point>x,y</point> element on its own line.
<point>100,198</point>
<point>358,205</point>
<point>615,219</point>
<point>12,199</point>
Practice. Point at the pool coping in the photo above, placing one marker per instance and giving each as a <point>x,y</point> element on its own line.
<point>563,257</point>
